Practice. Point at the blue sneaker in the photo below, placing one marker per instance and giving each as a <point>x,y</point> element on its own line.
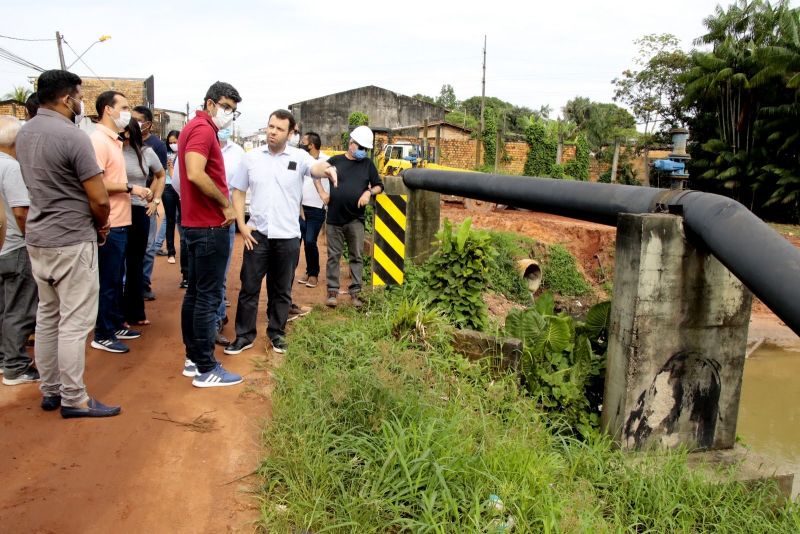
<point>110,345</point>
<point>217,377</point>
<point>127,333</point>
<point>189,368</point>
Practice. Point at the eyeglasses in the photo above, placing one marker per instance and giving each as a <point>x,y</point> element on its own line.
<point>358,146</point>
<point>227,109</point>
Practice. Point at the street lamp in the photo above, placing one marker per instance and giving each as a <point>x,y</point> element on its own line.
<point>102,38</point>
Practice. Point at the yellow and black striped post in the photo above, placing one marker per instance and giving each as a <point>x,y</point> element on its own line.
<point>389,253</point>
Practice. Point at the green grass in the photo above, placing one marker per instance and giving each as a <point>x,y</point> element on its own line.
<point>504,277</point>
<point>375,434</point>
<point>560,273</point>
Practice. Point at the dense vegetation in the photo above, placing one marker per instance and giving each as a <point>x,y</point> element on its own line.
<point>379,425</point>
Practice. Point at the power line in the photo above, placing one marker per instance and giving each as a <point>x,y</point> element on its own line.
<point>14,58</point>
<point>22,39</point>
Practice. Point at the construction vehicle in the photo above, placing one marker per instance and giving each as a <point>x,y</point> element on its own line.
<point>395,158</point>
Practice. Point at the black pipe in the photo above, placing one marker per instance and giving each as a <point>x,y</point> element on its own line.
<point>755,253</point>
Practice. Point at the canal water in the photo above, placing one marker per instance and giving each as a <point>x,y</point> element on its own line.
<point>769,411</point>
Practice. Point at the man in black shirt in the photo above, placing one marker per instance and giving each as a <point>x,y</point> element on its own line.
<point>358,182</point>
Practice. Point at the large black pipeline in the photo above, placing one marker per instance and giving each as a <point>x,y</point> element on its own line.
<point>755,253</point>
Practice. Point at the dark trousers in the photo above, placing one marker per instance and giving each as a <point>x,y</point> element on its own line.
<point>309,232</point>
<point>171,207</point>
<point>208,250</point>
<point>133,303</point>
<point>184,256</point>
<point>274,258</point>
<point>18,301</point>
<point>111,264</point>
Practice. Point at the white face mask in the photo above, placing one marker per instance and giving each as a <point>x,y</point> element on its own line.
<point>294,140</point>
<point>123,120</point>
<point>222,118</point>
<point>79,117</point>
<point>173,147</point>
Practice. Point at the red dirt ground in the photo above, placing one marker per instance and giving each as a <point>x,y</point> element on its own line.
<point>137,472</point>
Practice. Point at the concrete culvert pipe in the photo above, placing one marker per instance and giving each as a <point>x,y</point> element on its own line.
<point>531,273</point>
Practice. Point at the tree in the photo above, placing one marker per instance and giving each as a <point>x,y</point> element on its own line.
<point>424,98</point>
<point>744,98</point>
<point>654,92</point>
<point>20,94</point>
<point>357,118</point>
<point>447,97</point>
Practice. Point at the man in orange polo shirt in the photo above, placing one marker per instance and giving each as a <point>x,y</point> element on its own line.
<point>114,115</point>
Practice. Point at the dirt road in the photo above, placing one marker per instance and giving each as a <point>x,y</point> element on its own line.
<point>173,461</point>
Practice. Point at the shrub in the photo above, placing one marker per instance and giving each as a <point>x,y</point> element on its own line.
<point>458,274</point>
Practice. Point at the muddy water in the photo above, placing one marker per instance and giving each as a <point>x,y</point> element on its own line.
<point>769,412</point>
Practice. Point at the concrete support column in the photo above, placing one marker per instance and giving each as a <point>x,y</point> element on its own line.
<point>422,218</point>
<point>677,340</point>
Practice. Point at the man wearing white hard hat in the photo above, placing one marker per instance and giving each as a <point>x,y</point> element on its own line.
<point>358,183</point>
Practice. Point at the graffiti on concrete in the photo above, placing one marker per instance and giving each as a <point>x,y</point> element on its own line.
<point>681,406</point>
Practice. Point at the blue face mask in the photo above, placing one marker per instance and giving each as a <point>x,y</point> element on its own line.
<point>224,134</point>
<point>360,154</point>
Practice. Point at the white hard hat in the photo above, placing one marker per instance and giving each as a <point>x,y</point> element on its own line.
<point>363,136</point>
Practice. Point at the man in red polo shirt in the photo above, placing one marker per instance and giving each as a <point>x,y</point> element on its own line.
<point>206,214</point>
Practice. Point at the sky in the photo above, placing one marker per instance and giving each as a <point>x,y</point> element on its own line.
<point>278,53</point>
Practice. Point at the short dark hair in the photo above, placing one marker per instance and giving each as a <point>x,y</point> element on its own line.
<point>106,98</point>
<point>314,139</point>
<point>220,89</point>
<point>144,110</point>
<point>284,114</point>
<point>32,105</point>
<point>54,84</point>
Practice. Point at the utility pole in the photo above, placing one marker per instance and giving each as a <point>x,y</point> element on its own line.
<point>60,51</point>
<point>483,106</point>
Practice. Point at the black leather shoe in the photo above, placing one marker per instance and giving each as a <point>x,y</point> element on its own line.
<point>94,409</point>
<point>222,340</point>
<point>239,344</point>
<point>50,403</point>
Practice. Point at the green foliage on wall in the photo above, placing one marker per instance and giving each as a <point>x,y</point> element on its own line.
<point>489,139</point>
<point>542,153</point>
<point>578,168</point>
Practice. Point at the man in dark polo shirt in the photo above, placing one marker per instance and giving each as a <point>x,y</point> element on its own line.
<point>69,210</point>
<point>206,213</point>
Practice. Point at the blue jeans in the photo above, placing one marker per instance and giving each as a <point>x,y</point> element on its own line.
<point>111,264</point>
<point>309,232</point>
<point>167,229</point>
<point>221,310</point>
<point>208,249</point>
<point>149,252</point>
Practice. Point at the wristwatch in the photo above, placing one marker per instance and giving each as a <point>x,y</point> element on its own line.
<point>129,187</point>
<point>157,201</point>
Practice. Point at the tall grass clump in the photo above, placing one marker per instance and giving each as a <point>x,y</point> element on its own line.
<point>379,426</point>
<point>560,273</point>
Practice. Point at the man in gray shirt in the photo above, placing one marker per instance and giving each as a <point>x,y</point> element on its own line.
<point>17,288</point>
<point>68,213</point>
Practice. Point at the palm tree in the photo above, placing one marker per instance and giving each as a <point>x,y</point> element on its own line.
<point>20,94</point>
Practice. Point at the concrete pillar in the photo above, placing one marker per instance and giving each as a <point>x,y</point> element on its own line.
<point>422,218</point>
<point>677,340</point>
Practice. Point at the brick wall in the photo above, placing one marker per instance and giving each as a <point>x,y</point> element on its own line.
<point>133,90</point>
<point>460,154</point>
<point>13,108</point>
